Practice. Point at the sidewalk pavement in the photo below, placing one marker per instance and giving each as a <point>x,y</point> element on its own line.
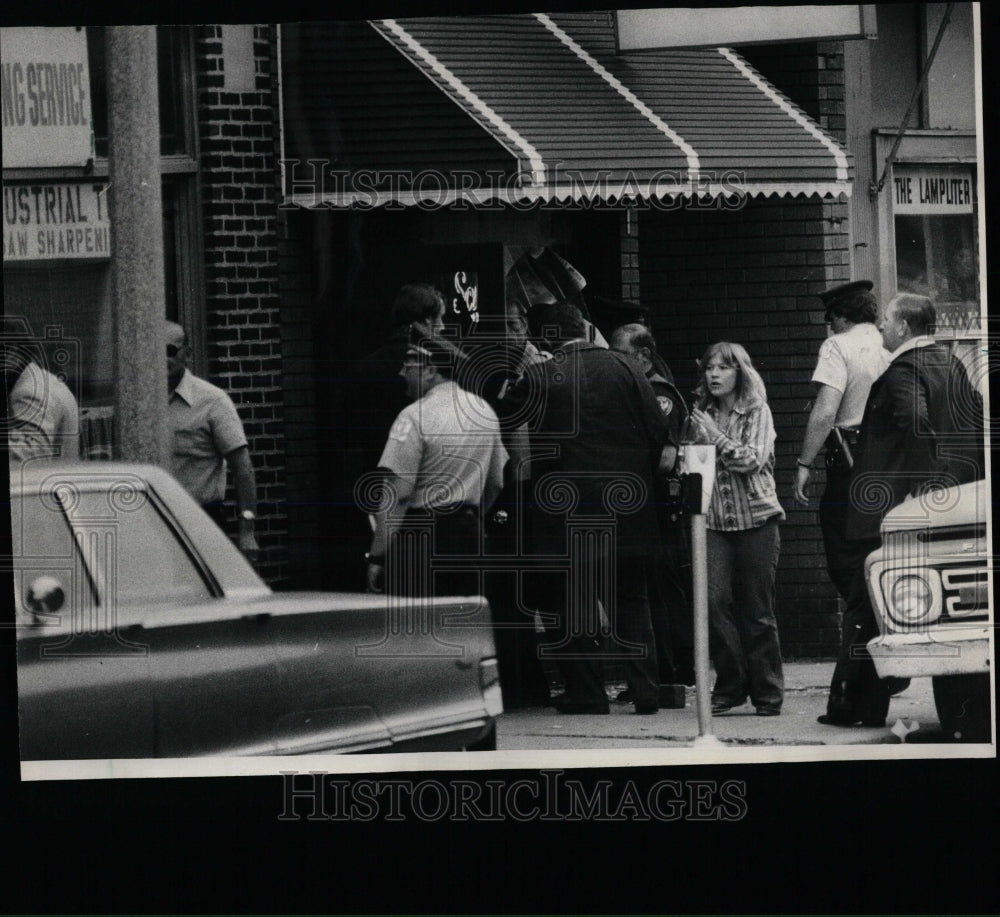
<point>911,713</point>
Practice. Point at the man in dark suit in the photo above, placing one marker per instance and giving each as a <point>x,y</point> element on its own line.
<point>596,437</point>
<point>922,429</point>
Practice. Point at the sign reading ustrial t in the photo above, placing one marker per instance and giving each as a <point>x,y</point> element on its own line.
<point>55,221</point>
<point>45,95</point>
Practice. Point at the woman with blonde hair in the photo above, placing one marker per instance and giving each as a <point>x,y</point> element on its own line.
<point>731,411</point>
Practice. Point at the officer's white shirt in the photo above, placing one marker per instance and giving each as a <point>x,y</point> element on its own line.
<point>447,443</point>
<point>850,362</point>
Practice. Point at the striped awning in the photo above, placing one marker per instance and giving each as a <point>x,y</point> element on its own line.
<point>558,116</point>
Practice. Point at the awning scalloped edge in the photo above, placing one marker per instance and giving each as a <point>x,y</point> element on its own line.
<point>568,196</point>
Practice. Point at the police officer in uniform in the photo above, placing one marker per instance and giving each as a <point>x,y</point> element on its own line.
<point>850,360</point>
<point>444,463</point>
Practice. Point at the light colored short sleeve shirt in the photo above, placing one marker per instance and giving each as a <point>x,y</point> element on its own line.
<point>448,443</point>
<point>850,362</point>
<point>205,429</point>
<point>44,417</point>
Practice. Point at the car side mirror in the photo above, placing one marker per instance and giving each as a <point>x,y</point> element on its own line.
<point>45,595</point>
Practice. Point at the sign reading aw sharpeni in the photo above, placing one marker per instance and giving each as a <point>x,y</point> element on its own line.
<point>45,97</point>
<point>55,221</point>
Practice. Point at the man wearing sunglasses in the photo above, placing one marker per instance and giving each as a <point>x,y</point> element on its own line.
<point>207,436</point>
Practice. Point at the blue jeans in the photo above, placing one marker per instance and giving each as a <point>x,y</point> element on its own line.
<point>744,633</point>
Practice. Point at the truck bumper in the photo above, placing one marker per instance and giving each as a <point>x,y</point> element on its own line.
<point>957,651</point>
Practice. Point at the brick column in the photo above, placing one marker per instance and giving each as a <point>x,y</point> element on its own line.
<point>239,206</point>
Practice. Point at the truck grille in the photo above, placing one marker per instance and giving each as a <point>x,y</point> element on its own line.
<point>966,593</point>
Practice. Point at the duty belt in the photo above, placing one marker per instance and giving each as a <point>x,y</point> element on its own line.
<point>840,447</point>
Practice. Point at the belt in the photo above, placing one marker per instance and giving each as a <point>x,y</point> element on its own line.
<point>450,509</point>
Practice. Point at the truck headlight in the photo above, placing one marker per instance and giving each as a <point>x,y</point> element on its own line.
<point>915,597</point>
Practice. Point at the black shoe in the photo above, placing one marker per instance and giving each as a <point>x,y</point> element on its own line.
<point>838,719</point>
<point>719,706</point>
<point>646,707</point>
<point>624,697</point>
<point>842,719</point>
<point>768,711</point>
<point>570,706</point>
<point>557,699</point>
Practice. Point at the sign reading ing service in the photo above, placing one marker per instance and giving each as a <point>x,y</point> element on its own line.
<point>928,190</point>
<point>45,96</point>
<point>55,221</point>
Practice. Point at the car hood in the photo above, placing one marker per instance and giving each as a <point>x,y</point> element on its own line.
<point>964,504</point>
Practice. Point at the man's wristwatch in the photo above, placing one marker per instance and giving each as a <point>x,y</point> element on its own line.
<point>374,558</point>
<point>802,464</point>
<point>247,515</point>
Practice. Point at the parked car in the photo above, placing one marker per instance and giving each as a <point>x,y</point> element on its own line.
<point>930,585</point>
<point>143,632</point>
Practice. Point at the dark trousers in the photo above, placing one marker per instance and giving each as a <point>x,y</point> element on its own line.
<point>432,553</point>
<point>575,635</point>
<point>660,616</point>
<point>522,677</point>
<point>856,692</point>
<point>674,579</point>
<point>742,626</point>
<point>843,556</point>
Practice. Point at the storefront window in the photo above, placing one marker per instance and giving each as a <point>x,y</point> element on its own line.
<point>172,68</point>
<point>936,241</point>
<point>58,232</point>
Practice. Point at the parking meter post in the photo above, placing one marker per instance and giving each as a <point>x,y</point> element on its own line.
<point>697,489</point>
<point>699,572</point>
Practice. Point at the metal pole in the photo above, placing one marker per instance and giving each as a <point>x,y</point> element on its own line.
<point>136,210</point>
<point>876,187</point>
<point>699,573</point>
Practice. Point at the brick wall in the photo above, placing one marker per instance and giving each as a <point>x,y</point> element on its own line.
<point>811,74</point>
<point>751,276</point>
<point>239,207</point>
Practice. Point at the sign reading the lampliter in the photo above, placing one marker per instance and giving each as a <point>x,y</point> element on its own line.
<point>927,190</point>
<point>55,221</point>
<point>45,96</point>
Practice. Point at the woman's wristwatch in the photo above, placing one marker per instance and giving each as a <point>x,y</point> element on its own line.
<point>802,464</point>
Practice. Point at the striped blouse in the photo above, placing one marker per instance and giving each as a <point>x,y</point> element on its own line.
<point>744,496</point>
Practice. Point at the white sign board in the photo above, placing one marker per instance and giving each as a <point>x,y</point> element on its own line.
<point>45,96</point>
<point>928,190</point>
<point>686,27</point>
<point>55,221</point>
